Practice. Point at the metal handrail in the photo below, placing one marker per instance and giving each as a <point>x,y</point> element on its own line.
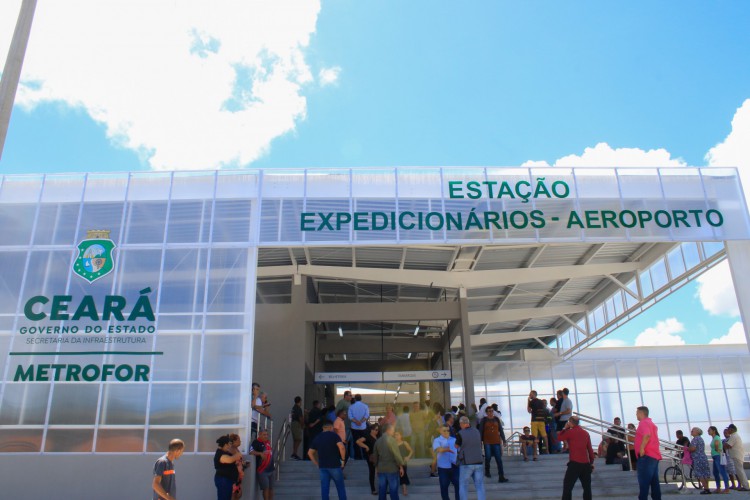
<point>667,446</point>
<point>669,449</point>
<point>266,423</point>
<point>279,455</point>
<point>515,445</point>
<point>511,436</point>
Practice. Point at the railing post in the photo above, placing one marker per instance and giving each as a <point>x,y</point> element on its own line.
<point>682,472</point>
<point>280,446</point>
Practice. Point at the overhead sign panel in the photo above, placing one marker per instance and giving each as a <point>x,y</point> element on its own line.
<point>417,376</point>
<point>341,377</point>
<point>403,376</point>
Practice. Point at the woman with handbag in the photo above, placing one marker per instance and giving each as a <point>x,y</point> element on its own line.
<point>718,456</point>
<point>367,443</point>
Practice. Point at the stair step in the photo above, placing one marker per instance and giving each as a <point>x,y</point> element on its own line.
<point>299,480</point>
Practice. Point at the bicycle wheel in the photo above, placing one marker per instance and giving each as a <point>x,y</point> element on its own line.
<point>673,475</point>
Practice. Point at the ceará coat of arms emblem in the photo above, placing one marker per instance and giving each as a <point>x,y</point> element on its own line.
<point>95,258</point>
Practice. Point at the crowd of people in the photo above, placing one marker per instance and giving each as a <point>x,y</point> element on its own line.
<point>460,441</point>
<point>229,461</point>
<point>727,456</point>
<point>457,458</point>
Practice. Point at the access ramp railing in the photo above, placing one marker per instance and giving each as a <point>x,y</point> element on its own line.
<point>279,454</point>
<point>667,449</point>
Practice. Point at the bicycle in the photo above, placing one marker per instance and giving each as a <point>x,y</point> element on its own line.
<point>673,475</point>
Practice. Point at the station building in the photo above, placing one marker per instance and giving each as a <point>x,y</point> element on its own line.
<point>139,307</point>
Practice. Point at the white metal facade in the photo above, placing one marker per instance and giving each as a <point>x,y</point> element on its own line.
<point>210,244</point>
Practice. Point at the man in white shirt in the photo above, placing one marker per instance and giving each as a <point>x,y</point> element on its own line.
<point>359,414</point>
<point>566,411</point>
<point>482,406</point>
<point>403,424</point>
<point>258,409</point>
<point>736,453</point>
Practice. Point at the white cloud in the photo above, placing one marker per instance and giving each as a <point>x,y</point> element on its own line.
<point>735,335</point>
<point>607,342</point>
<point>329,76</point>
<point>188,84</point>
<point>664,333</point>
<point>716,291</point>
<point>604,155</point>
<point>535,163</point>
<point>734,151</point>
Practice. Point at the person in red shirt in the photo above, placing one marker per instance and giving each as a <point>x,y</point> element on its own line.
<point>581,463</point>
<point>648,455</point>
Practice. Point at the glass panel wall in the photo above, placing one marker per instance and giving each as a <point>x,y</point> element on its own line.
<point>702,386</point>
<point>177,241</point>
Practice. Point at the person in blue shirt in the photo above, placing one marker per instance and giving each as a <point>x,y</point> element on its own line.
<point>445,449</point>
<point>359,415</point>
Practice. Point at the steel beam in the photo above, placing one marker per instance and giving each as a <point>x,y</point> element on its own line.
<point>13,64</point>
<point>389,312</point>
<point>501,338</point>
<point>505,315</point>
<point>452,279</point>
<point>738,254</point>
<point>355,344</point>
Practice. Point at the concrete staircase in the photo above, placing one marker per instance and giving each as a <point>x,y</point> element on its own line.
<point>527,480</point>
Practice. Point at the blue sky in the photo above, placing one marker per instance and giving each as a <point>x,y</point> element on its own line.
<point>348,83</point>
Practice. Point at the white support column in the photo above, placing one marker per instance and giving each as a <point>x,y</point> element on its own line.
<point>738,254</point>
<point>13,64</point>
<point>466,356</point>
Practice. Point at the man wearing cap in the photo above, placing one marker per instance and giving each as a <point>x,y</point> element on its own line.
<point>581,459</point>
<point>736,453</point>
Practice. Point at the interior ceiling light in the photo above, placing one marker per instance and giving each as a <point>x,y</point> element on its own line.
<point>416,330</point>
<point>341,332</point>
